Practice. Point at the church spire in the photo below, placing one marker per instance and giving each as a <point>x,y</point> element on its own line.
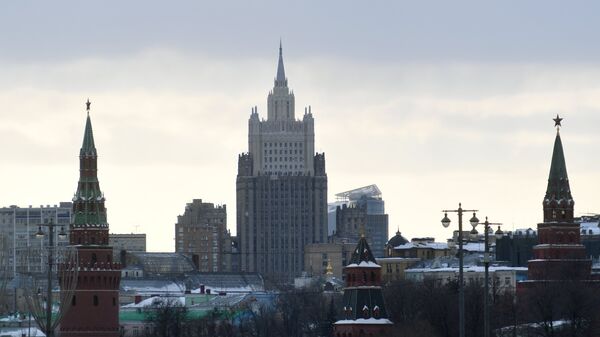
<point>280,79</point>
<point>558,202</point>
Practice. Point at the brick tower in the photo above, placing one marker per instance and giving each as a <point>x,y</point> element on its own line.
<point>559,255</point>
<point>364,307</point>
<point>94,309</point>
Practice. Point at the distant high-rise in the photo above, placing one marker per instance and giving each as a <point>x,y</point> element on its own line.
<point>360,207</point>
<point>281,188</point>
<point>18,226</point>
<point>202,233</point>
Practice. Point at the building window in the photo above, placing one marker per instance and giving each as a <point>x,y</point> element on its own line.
<point>74,301</point>
<point>95,300</point>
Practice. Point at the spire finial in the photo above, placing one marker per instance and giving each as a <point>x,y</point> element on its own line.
<point>280,80</point>
<point>87,105</point>
<point>557,121</point>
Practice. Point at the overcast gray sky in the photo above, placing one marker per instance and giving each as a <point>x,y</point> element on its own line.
<point>436,102</point>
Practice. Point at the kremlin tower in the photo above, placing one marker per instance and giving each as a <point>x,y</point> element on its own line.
<point>94,309</point>
<point>559,256</point>
<point>364,307</point>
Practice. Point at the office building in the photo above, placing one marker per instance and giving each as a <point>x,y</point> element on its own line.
<point>281,188</point>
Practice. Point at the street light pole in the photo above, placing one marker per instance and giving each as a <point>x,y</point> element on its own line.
<point>461,289</point>
<point>486,264</point>
<point>49,331</point>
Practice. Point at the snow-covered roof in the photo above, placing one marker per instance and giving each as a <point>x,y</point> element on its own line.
<point>466,269</point>
<point>23,331</point>
<point>364,264</point>
<point>244,289</point>
<point>589,228</point>
<point>396,259</point>
<point>364,321</point>
<point>425,245</point>
<point>474,247</point>
<point>157,300</point>
<point>151,287</point>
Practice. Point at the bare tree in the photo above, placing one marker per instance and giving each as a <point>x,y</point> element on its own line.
<point>167,316</point>
<point>58,285</point>
<point>5,275</point>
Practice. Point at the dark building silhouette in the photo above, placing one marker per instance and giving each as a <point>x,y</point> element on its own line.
<point>94,309</point>
<point>516,248</point>
<point>281,188</point>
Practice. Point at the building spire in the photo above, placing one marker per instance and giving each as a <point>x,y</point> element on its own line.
<point>280,80</point>
<point>88,147</point>
<point>558,193</point>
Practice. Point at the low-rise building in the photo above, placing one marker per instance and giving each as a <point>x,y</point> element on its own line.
<point>501,278</point>
<point>421,248</point>
<point>392,268</point>
<point>318,255</point>
<point>127,242</point>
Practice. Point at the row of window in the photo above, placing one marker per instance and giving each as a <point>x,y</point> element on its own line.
<point>284,144</point>
<point>284,166</point>
<point>272,159</point>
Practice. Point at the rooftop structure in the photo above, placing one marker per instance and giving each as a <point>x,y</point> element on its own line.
<point>370,191</point>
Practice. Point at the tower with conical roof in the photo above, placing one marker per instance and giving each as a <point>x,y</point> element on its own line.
<point>559,254</point>
<point>94,309</point>
<point>364,308</point>
<point>281,187</point>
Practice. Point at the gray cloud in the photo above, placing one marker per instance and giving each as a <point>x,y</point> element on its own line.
<point>436,103</point>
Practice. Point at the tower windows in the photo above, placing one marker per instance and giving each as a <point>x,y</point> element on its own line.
<point>74,301</point>
<point>95,300</point>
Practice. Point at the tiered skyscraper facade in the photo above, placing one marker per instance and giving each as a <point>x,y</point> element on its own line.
<point>281,188</point>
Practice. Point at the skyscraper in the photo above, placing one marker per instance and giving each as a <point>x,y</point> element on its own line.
<point>94,309</point>
<point>281,188</point>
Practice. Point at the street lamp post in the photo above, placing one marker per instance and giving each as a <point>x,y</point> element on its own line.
<point>40,234</point>
<point>486,263</point>
<point>461,289</point>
